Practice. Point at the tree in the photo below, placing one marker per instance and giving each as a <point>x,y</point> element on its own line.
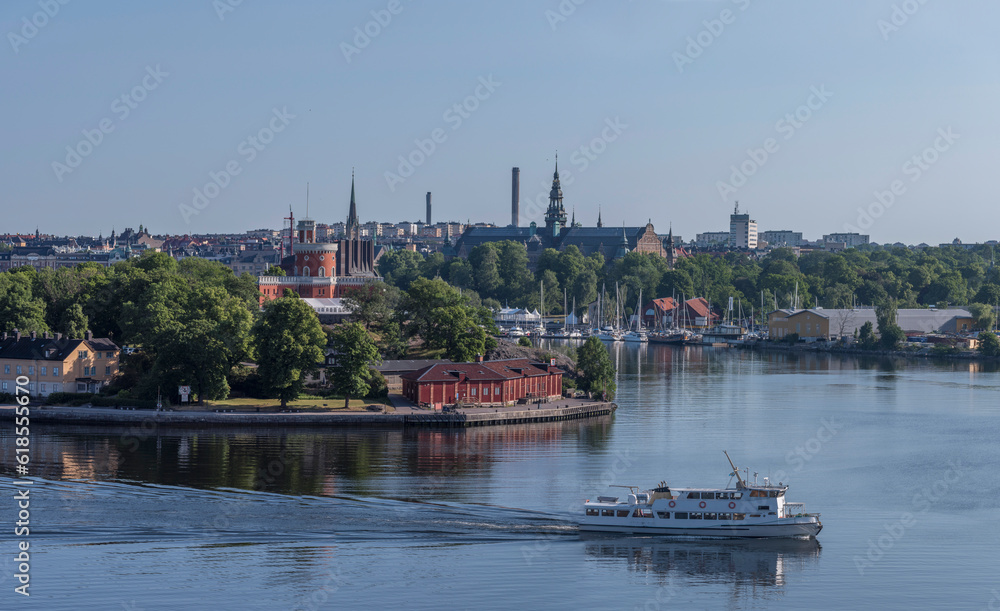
<point>274,270</point>
<point>485,269</point>
<point>524,342</point>
<point>373,304</point>
<point>19,308</point>
<point>988,293</point>
<point>73,322</point>
<point>988,344</point>
<point>444,320</point>
<point>193,335</point>
<point>597,373</point>
<point>983,316</point>
<point>866,336</point>
<point>289,342</point>
<point>400,267</point>
<point>355,353</point>
<point>890,334</point>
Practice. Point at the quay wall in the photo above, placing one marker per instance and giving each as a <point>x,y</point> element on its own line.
<point>97,416</point>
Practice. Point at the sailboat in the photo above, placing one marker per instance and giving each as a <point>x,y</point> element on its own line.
<point>637,335</point>
<point>610,333</point>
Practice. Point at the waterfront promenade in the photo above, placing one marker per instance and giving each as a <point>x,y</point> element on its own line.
<point>404,415</point>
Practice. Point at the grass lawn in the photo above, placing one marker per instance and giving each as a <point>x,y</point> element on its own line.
<point>312,404</point>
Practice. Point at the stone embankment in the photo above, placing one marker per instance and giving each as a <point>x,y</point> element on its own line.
<point>566,409</point>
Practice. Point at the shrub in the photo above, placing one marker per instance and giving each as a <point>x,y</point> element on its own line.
<point>377,388</point>
<point>73,399</point>
<point>524,342</point>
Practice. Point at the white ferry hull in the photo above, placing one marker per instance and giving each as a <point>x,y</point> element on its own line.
<point>795,528</point>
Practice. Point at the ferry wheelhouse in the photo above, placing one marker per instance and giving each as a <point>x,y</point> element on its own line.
<point>749,510</point>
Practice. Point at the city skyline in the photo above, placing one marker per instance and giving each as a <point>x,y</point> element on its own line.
<point>656,108</point>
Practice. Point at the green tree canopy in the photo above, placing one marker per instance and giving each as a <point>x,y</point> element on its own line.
<point>354,352</point>
<point>289,343</point>
<point>443,320</point>
<point>597,372</point>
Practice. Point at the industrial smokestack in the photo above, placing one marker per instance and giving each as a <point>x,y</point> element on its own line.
<point>428,208</point>
<point>515,196</point>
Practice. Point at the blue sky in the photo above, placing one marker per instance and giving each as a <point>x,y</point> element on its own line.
<point>894,76</point>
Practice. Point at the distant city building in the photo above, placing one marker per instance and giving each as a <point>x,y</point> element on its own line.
<point>850,240</point>
<point>782,237</point>
<point>711,239</point>
<point>49,257</point>
<point>559,233</point>
<point>742,230</point>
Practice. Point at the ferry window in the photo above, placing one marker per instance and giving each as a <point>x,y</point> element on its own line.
<point>755,493</point>
<point>725,516</point>
<point>721,495</point>
<point>710,516</point>
<point>763,507</point>
<point>739,516</point>
<point>623,513</point>
<point>663,515</point>
<point>773,494</point>
<point>642,513</point>
<point>680,515</point>
<point>737,495</point>
<point>694,516</point>
<point>592,512</point>
<point>694,495</point>
<point>608,512</point>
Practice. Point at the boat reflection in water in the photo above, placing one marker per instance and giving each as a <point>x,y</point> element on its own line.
<point>755,567</point>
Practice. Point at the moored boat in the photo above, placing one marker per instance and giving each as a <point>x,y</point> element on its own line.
<point>750,510</point>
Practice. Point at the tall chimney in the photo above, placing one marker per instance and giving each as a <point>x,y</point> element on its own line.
<point>515,196</point>
<point>428,208</point>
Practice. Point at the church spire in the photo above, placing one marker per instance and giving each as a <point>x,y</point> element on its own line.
<point>555,216</point>
<point>599,222</point>
<point>353,228</point>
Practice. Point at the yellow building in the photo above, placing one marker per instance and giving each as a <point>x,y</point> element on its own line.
<point>56,364</point>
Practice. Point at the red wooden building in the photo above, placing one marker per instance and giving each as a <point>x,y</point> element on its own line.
<point>483,383</point>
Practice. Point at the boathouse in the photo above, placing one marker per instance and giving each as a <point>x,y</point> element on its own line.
<point>486,383</point>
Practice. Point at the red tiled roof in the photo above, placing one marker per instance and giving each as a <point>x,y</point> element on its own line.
<point>698,305</point>
<point>664,304</point>
<point>488,370</point>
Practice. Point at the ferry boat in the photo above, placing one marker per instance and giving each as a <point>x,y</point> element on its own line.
<point>749,510</point>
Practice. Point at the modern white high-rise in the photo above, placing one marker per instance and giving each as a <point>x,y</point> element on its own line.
<point>742,230</point>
